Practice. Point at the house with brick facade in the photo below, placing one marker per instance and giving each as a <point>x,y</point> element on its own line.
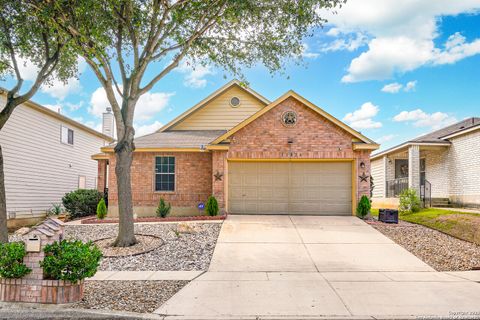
<point>443,166</point>
<point>255,156</point>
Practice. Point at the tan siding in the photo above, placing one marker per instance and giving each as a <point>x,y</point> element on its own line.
<point>219,115</point>
<point>378,174</point>
<point>39,169</point>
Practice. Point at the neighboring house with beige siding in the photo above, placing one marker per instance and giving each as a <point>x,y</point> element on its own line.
<point>443,166</point>
<point>45,156</point>
<point>287,156</point>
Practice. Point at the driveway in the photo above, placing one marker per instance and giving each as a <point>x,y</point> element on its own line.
<point>305,266</point>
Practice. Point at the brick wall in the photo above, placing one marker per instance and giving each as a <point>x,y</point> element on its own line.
<point>314,137</point>
<point>436,171</point>
<point>102,166</point>
<point>193,179</point>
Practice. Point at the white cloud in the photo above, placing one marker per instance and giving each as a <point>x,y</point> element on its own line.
<point>148,105</point>
<point>395,87</point>
<point>141,130</point>
<point>349,42</point>
<point>410,86</point>
<point>419,118</point>
<point>402,35</point>
<point>392,87</point>
<point>60,90</point>
<point>28,70</point>
<point>194,75</point>
<point>363,118</point>
<point>306,53</point>
<point>386,138</point>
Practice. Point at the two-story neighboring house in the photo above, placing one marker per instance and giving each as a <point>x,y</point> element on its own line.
<point>443,166</point>
<point>45,156</point>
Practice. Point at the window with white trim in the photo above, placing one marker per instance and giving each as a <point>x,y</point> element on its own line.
<point>164,173</point>
<point>66,135</point>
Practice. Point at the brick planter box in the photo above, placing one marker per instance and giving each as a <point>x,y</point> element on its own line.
<point>40,291</point>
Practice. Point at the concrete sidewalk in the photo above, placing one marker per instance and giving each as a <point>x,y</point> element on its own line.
<point>280,266</point>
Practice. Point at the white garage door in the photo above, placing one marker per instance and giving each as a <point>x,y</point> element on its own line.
<point>310,188</point>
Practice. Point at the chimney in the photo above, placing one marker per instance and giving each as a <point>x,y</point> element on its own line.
<point>108,123</point>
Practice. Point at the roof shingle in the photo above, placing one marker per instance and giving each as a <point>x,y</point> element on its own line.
<point>178,139</point>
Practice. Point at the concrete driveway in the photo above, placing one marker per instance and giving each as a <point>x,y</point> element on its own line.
<point>305,266</point>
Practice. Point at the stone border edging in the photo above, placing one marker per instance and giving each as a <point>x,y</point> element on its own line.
<point>136,253</point>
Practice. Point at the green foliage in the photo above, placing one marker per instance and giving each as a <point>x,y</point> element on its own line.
<point>212,206</point>
<point>163,208</point>
<point>101,209</point>
<point>81,202</point>
<point>363,207</point>
<point>71,260</point>
<point>11,260</point>
<point>409,201</point>
<point>55,210</point>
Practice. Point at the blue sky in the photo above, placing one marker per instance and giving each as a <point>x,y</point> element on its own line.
<point>391,69</point>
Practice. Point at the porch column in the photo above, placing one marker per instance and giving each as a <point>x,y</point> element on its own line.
<point>414,168</point>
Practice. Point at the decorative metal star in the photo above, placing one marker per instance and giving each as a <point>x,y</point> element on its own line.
<point>363,177</point>
<point>218,176</point>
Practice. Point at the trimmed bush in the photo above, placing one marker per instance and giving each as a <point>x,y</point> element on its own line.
<point>71,260</point>
<point>11,260</point>
<point>81,202</point>
<point>163,208</point>
<point>212,206</point>
<point>363,207</point>
<point>409,201</point>
<point>101,209</point>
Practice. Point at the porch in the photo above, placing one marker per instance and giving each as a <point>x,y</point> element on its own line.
<point>419,166</point>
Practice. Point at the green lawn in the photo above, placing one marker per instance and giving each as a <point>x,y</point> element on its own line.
<point>465,226</point>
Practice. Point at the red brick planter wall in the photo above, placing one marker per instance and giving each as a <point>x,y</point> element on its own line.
<point>40,291</point>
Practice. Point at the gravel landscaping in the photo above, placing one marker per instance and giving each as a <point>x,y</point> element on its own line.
<point>186,247</point>
<point>180,251</point>
<point>441,251</point>
<point>134,296</point>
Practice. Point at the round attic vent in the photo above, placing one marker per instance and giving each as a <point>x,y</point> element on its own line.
<point>235,102</point>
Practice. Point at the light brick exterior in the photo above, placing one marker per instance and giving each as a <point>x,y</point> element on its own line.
<point>414,168</point>
<point>464,169</point>
<point>314,137</point>
<point>452,171</point>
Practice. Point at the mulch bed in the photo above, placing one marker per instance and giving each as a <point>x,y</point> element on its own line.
<point>439,250</point>
<point>133,296</point>
<point>94,220</point>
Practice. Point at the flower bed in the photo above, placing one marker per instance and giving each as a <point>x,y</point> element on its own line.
<point>94,220</point>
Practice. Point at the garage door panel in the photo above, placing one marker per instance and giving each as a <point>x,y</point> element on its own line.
<point>321,188</point>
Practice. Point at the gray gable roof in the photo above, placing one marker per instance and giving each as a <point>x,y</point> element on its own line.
<point>436,136</point>
<point>178,139</point>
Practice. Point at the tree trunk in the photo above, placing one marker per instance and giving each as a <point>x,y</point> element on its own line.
<point>3,204</point>
<point>124,157</point>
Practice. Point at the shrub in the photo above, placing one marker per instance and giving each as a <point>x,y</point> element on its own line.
<point>163,208</point>
<point>71,260</point>
<point>409,201</point>
<point>55,210</point>
<point>101,209</point>
<point>81,202</point>
<point>11,260</point>
<point>363,207</point>
<point>212,206</point>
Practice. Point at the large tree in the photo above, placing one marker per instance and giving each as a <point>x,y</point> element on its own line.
<point>36,41</point>
<point>123,41</point>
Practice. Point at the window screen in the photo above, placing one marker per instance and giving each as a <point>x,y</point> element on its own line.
<point>165,174</point>
<point>66,135</point>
